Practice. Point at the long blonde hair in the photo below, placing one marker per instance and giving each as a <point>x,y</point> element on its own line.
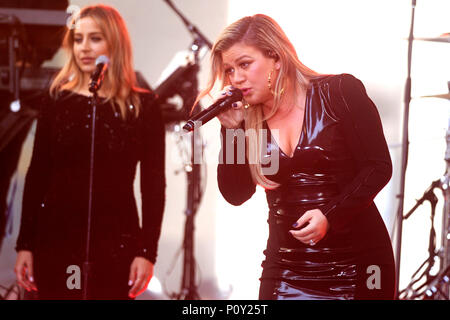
<point>120,78</point>
<point>263,33</point>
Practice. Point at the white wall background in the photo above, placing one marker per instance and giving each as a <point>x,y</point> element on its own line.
<point>365,38</point>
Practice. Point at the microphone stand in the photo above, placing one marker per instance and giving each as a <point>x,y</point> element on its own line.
<point>188,286</point>
<point>87,265</point>
<point>405,147</point>
<point>200,38</point>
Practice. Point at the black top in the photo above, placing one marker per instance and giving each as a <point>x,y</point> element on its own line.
<point>55,200</point>
<point>339,165</point>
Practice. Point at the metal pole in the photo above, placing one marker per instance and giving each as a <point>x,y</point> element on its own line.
<point>87,263</point>
<point>445,237</point>
<point>405,147</point>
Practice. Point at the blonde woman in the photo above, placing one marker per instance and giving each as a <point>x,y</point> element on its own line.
<point>129,129</point>
<point>327,239</point>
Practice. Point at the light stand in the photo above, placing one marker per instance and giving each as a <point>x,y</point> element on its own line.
<point>188,290</point>
<point>188,286</point>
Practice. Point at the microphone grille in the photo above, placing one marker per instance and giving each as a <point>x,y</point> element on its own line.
<point>237,94</point>
<point>102,59</point>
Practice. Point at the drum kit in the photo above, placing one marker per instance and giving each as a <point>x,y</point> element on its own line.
<point>435,286</point>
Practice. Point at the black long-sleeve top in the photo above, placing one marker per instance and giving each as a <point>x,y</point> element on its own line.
<point>340,163</point>
<point>56,193</point>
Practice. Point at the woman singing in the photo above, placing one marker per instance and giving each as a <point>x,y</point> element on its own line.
<point>327,239</point>
<point>128,129</point>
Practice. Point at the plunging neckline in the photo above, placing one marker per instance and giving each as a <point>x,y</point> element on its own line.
<point>300,138</point>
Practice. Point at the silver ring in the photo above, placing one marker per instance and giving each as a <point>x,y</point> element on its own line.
<point>311,242</point>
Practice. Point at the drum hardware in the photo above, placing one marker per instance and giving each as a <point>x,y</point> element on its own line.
<point>435,287</point>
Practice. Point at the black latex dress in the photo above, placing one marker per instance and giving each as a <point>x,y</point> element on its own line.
<point>340,163</point>
<point>55,201</point>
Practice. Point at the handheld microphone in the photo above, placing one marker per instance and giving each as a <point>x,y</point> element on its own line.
<point>218,107</point>
<point>102,63</point>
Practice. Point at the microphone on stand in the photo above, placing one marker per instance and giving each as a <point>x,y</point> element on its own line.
<point>213,110</point>
<point>102,63</point>
<point>97,77</point>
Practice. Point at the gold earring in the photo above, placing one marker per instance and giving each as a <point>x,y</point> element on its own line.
<point>246,104</point>
<point>269,85</point>
<point>269,81</point>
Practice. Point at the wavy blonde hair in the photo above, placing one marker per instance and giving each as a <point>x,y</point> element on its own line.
<point>263,33</point>
<point>120,78</point>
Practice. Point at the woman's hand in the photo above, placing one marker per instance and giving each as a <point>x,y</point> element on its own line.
<point>141,272</point>
<point>24,270</point>
<point>233,117</point>
<point>316,229</point>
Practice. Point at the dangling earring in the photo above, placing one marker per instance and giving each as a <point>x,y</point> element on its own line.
<point>269,85</point>
<point>246,104</point>
<point>269,81</point>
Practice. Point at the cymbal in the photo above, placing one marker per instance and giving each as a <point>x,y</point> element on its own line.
<point>445,37</point>
<point>443,96</point>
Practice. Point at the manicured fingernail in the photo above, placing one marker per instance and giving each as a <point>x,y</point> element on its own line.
<point>224,93</point>
<point>234,104</point>
<point>31,279</point>
<point>130,282</point>
<point>295,225</point>
<point>229,93</point>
